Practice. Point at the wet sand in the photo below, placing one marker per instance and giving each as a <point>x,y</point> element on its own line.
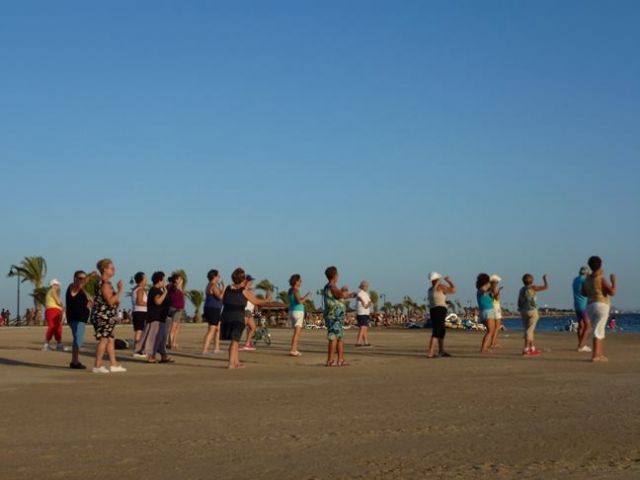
<point>391,414</point>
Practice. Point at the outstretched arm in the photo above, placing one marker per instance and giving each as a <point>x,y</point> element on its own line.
<point>610,289</point>
<point>543,287</point>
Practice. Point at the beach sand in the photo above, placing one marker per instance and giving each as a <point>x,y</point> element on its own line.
<point>391,414</point>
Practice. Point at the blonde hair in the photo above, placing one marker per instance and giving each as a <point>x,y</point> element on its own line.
<point>103,264</point>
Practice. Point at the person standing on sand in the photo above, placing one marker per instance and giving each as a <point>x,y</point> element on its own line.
<point>53,315</point>
<point>234,302</point>
<point>139,307</point>
<point>598,292</point>
<point>250,309</point>
<point>296,311</point>
<point>485,307</point>
<point>528,309</point>
<point>334,315</point>
<point>103,317</point>
<point>176,310</point>
<point>437,296</point>
<point>78,311</point>
<point>496,291</point>
<point>155,331</point>
<point>363,314</point>
<point>213,311</point>
<point>580,306</point>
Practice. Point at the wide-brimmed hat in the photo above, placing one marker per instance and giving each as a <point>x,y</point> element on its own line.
<point>433,276</point>
<point>495,278</point>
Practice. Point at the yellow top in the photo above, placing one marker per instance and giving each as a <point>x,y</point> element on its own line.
<point>50,301</point>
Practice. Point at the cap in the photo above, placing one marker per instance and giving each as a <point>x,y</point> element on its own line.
<point>584,270</point>
<point>433,276</point>
<point>53,282</point>
<point>249,278</point>
<point>495,278</point>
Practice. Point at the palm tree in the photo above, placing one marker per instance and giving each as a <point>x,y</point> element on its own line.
<point>39,296</point>
<point>197,298</point>
<point>34,270</point>
<point>387,307</point>
<point>375,297</point>
<point>266,286</point>
<point>284,297</point>
<point>181,273</point>
<point>309,306</point>
<point>90,285</point>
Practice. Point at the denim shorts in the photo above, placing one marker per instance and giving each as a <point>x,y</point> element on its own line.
<point>77,330</point>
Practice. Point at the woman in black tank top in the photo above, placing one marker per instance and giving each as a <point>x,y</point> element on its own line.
<point>235,300</point>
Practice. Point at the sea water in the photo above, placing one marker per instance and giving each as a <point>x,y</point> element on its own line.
<point>626,323</point>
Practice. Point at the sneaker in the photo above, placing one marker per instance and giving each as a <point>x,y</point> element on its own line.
<point>139,355</point>
<point>584,349</point>
<point>101,369</point>
<point>46,347</point>
<point>533,353</point>
<point>77,366</point>
<point>247,348</point>
<point>117,368</point>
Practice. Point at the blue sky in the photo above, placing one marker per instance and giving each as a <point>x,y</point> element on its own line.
<point>387,138</point>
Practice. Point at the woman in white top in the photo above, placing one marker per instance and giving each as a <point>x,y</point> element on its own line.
<point>249,320</point>
<point>363,310</point>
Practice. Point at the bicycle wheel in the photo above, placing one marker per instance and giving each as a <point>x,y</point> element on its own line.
<point>267,338</point>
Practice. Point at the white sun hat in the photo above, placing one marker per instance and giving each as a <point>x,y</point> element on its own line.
<point>433,276</point>
<point>53,282</point>
<point>495,278</point>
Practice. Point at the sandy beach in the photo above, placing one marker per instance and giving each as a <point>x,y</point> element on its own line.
<point>390,414</point>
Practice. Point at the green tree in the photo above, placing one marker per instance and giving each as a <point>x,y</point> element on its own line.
<point>375,298</point>
<point>387,307</point>
<point>181,273</point>
<point>34,270</point>
<point>196,297</point>
<point>267,287</point>
<point>284,297</point>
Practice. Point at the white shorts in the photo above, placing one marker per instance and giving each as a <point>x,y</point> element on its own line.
<point>497,313</point>
<point>296,319</point>
<point>599,314</point>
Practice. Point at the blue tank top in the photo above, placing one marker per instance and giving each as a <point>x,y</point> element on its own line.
<point>294,306</point>
<point>211,301</point>
<point>485,302</point>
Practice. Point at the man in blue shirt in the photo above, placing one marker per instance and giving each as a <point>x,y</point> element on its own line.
<point>580,306</point>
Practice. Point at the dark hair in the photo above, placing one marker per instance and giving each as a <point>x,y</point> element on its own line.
<point>211,274</point>
<point>138,277</point>
<point>157,277</point>
<point>294,279</point>
<point>77,273</point>
<point>482,279</point>
<point>238,276</point>
<point>595,263</point>
<point>331,272</point>
<point>527,279</point>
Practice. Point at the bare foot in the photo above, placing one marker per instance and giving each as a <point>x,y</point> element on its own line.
<point>601,358</point>
<point>237,365</point>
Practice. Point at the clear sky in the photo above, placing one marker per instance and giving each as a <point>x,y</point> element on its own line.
<point>388,138</point>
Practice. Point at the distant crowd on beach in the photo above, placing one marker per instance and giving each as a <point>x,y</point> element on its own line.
<point>158,310</point>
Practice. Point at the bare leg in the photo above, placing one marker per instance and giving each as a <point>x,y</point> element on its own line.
<point>598,350</point>
<point>494,337</point>
<point>332,348</point>
<point>294,339</point>
<point>111,350</point>
<point>211,332</point>
<point>100,350</point>
<point>365,336</point>
<point>432,347</point>
<point>359,338</point>
<point>586,330</point>
<point>234,361</point>
<point>488,336</point>
<point>216,342</point>
<point>340,352</point>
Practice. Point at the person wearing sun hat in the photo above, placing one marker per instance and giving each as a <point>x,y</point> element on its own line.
<point>495,292</point>
<point>437,296</point>
<point>53,315</point>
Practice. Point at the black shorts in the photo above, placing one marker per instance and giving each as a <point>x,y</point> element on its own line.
<point>232,330</point>
<point>438,316</point>
<point>212,315</point>
<point>139,320</point>
<point>363,320</point>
